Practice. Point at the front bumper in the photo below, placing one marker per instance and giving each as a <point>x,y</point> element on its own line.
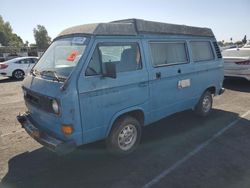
<point>221,91</point>
<point>50,142</point>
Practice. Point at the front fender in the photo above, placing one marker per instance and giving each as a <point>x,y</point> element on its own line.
<point>119,114</point>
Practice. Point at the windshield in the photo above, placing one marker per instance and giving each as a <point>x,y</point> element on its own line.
<point>61,57</point>
<point>236,53</point>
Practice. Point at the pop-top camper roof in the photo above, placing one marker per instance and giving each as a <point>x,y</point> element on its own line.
<point>136,27</point>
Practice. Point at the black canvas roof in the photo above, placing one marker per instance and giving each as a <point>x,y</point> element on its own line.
<point>136,27</point>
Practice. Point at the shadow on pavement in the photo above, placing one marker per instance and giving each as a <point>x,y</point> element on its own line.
<point>7,79</point>
<point>237,84</point>
<point>91,166</point>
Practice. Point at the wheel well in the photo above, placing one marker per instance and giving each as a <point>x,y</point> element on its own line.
<point>137,114</point>
<point>211,89</point>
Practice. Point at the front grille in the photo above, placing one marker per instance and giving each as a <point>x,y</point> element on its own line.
<point>40,101</point>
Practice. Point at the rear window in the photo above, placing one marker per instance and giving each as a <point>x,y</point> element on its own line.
<point>236,53</point>
<point>201,51</point>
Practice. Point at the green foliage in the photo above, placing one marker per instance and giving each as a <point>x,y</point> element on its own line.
<point>7,37</point>
<point>41,37</point>
<point>244,40</point>
<point>220,43</point>
<point>239,43</point>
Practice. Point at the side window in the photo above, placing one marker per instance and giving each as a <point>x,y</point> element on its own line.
<point>167,53</point>
<point>201,51</point>
<point>18,62</point>
<point>34,61</point>
<point>23,61</point>
<point>94,67</point>
<point>28,61</point>
<point>126,56</point>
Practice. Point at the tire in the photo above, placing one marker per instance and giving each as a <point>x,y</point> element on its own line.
<point>129,128</point>
<point>204,106</point>
<point>18,74</point>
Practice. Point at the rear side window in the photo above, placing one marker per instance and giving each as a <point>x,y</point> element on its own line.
<point>126,56</point>
<point>34,60</point>
<point>167,53</point>
<point>24,61</point>
<point>201,51</point>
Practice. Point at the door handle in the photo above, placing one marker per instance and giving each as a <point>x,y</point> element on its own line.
<point>158,75</point>
<point>179,71</point>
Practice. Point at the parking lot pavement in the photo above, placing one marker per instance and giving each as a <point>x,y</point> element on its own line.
<point>179,151</point>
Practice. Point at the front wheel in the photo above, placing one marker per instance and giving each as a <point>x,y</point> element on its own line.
<point>124,136</point>
<point>204,106</point>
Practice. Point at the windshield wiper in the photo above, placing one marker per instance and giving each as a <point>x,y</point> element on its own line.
<point>53,74</point>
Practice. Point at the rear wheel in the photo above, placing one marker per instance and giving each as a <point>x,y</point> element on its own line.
<point>124,136</point>
<point>204,106</point>
<point>18,74</point>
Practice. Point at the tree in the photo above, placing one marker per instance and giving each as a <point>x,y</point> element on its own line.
<point>7,37</point>
<point>244,40</point>
<point>220,43</point>
<point>41,37</point>
<point>16,41</point>
<point>239,43</point>
<point>26,44</point>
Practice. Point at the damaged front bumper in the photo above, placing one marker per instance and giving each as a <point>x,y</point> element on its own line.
<point>50,142</point>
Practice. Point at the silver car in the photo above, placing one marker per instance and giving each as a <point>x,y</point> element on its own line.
<point>237,62</point>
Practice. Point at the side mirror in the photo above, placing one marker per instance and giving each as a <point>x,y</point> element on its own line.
<point>109,70</point>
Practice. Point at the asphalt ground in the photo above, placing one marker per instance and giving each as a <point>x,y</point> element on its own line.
<point>180,151</point>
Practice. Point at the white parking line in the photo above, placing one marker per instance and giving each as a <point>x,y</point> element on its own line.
<point>192,153</point>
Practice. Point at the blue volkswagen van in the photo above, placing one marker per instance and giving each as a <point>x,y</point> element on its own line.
<point>108,80</point>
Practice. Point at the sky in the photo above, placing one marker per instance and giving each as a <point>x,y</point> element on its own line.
<point>227,18</point>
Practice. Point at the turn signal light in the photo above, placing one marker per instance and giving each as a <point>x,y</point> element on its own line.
<point>67,129</point>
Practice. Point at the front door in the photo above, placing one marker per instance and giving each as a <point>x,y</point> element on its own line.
<point>24,65</point>
<point>103,97</point>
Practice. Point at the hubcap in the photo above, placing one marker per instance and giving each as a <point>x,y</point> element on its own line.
<point>206,103</point>
<point>127,137</point>
<point>19,74</point>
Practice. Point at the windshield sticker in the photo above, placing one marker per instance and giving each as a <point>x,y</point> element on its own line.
<point>78,40</point>
<point>72,56</point>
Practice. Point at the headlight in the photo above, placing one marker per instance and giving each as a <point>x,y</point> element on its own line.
<point>55,106</point>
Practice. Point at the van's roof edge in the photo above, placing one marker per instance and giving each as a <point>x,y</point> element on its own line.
<point>135,27</point>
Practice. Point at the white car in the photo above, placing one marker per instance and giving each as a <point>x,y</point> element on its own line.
<point>247,45</point>
<point>18,67</point>
<point>237,62</point>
